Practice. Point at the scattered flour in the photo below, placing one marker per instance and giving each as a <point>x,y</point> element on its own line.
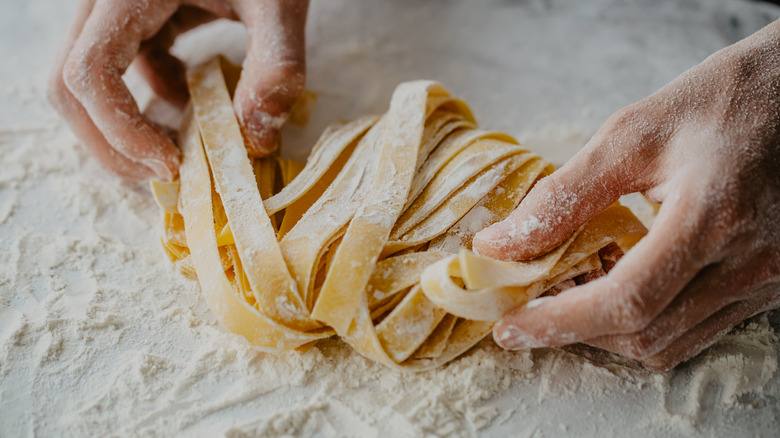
<point>99,336</point>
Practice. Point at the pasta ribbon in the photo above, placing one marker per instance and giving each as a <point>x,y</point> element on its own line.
<point>369,239</point>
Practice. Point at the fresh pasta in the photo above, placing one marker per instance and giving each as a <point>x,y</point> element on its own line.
<point>370,239</point>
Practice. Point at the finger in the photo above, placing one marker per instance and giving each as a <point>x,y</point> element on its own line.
<point>93,73</point>
<point>612,164</point>
<point>637,289</point>
<point>62,100</point>
<point>54,91</point>
<point>274,71</point>
<point>165,73</point>
<point>713,328</point>
<point>714,288</point>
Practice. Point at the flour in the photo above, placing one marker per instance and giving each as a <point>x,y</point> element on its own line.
<point>99,336</point>
<point>740,364</point>
<point>134,351</point>
<point>354,402</point>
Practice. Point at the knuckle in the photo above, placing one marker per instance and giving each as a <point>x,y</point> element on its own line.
<point>549,185</point>
<point>630,121</point>
<point>629,312</point>
<point>56,91</point>
<point>621,118</point>
<point>78,74</point>
<point>637,128</point>
<point>556,193</point>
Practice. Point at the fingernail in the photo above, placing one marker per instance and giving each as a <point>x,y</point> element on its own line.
<point>536,302</point>
<point>258,144</point>
<point>511,338</point>
<point>261,130</point>
<point>493,233</point>
<point>159,168</point>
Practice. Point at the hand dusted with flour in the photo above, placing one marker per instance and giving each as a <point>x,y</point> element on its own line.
<point>87,89</point>
<point>706,146</point>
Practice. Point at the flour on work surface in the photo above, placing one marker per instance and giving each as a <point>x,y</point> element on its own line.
<point>99,336</point>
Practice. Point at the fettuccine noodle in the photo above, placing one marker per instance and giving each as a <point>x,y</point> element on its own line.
<point>370,239</point>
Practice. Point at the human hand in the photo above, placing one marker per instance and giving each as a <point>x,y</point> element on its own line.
<point>707,147</point>
<point>87,89</point>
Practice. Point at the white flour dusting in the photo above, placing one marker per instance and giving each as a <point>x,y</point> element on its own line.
<point>99,336</point>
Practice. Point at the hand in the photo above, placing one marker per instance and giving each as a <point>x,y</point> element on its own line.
<point>87,89</point>
<point>707,147</point>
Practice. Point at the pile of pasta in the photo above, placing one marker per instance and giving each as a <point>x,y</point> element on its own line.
<point>370,238</point>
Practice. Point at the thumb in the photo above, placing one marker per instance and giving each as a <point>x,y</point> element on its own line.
<point>562,202</point>
<point>274,71</point>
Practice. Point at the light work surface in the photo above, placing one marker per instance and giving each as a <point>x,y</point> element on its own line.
<point>100,337</point>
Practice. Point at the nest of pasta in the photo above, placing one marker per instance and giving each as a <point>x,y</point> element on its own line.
<point>370,238</point>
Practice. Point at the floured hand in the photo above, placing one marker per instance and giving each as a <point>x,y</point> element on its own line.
<point>87,89</point>
<point>707,147</point>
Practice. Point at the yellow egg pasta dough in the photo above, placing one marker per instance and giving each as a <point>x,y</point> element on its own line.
<point>370,239</point>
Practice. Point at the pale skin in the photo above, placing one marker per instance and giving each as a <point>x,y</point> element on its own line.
<point>106,36</point>
<point>706,147</point>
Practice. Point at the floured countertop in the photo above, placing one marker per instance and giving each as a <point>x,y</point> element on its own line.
<point>100,337</point>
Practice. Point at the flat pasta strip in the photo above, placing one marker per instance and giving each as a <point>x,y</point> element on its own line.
<point>331,145</point>
<point>255,238</point>
<point>370,238</point>
<point>231,309</point>
<point>368,231</point>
